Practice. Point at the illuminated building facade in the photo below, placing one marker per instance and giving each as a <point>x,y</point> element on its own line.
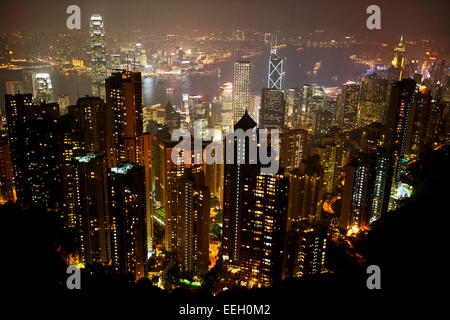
<point>293,147</point>
<point>90,219</point>
<point>271,114</point>
<point>373,100</point>
<point>98,56</point>
<point>193,224</point>
<point>226,98</point>
<point>42,87</point>
<point>241,89</point>
<point>275,75</point>
<point>398,122</point>
<point>263,229</point>
<point>124,101</point>
<point>398,61</point>
<point>347,106</point>
<point>306,250</point>
<point>126,199</point>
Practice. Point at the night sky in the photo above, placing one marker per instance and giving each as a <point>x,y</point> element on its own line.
<point>417,17</point>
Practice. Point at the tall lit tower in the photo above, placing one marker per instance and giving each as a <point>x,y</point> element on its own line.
<point>241,89</point>
<point>98,56</point>
<point>275,76</point>
<point>398,61</point>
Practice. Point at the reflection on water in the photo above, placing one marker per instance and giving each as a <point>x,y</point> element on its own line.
<point>336,68</point>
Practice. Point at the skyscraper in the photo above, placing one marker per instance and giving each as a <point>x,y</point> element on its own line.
<point>398,61</point>
<point>193,224</point>
<point>98,56</point>
<point>263,229</point>
<point>241,89</point>
<point>126,199</point>
<point>272,112</point>
<point>275,76</point>
<point>398,122</point>
<point>373,99</point>
<point>347,106</point>
<point>124,101</point>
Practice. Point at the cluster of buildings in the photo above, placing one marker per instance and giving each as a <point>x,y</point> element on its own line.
<point>105,164</point>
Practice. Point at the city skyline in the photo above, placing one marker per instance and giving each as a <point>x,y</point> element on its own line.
<point>259,160</point>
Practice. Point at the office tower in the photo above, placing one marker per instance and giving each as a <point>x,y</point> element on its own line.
<point>171,117</point>
<point>193,225</point>
<point>124,101</point>
<point>92,114</point>
<point>398,123</point>
<point>126,199</point>
<point>271,114</point>
<point>326,149</point>
<point>6,170</point>
<point>263,229</point>
<point>237,178</point>
<point>292,97</point>
<point>35,151</point>
<point>226,97</point>
<point>63,102</point>
<point>306,250</point>
<point>347,106</point>
<point>398,61</point>
<point>98,56</point>
<point>373,97</point>
<point>42,87</point>
<point>241,89</point>
<point>305,189</point>
<point>322,122</point>
<point>275,76</point>
<point>90,218</point>
<point>305,107</point>
<point>293,148</point>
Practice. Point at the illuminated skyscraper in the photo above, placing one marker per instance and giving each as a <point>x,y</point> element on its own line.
<point>90,219</point>
<point>98,56</point>
<point>263,229</point>
<point>193,224</point>
<point>226,97</point>
<point>35,151</point>
<point>347,106</point>
<point>398,122</point>
<point>293,148</point>
<point>124,101</point>
<point>305,187</point>
<point>241,89</point>
<point>398,61</point>
<point>373,99</point>
<point>271,114</point>
<point>126,196</point>
<point>275,76</point>
<point>92,114</point>
<point>327,151</point>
